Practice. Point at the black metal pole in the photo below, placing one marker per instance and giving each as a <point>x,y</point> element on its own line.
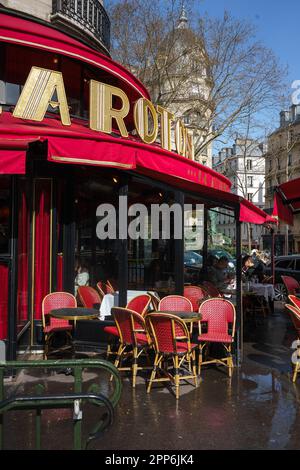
<point>179,248</point>
<point>54,237</point>
<point>123,244</point>
<point>69,237</point>
<point>273,254</point>
<point>239,303</point>
<point>13,274</point>
<point>205,241</point>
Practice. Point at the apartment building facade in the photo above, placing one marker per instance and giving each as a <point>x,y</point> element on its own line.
<point>283,164</point>
<point>244,165</point>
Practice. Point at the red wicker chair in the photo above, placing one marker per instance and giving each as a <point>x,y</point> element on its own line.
<point>175,303</point>
<point>292,285</point>
<point>50,324</point>
<point>196,295</point>
<point>139,304</point>
<point>109,289</point>
<point>211,289</point>
<point>88,296</point>
<point>171,340</point>
<point>131,329</point>
<point>218,314</point>
<point>295,301</point>
<point>295,316</point>
<point>101,289</point>
<point>105,288</point>
<point>112,285</point>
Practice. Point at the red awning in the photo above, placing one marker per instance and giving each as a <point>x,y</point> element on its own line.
<point>77,144</point>
<point>13,155</point>
<point>287,201</point>
<point>251,213</point>
<point>12,162</point>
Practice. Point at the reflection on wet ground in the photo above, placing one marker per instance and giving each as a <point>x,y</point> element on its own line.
<point>256,409</point>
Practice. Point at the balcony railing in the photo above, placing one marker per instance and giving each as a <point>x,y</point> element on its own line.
<point>87,15</point>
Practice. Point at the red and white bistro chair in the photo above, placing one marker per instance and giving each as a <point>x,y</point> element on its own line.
<point>132,336</point>
<point>171,342</point>
<point>53,325</point>
<point>219,316</point>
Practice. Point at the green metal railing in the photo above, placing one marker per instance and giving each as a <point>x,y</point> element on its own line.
<point>68,400</point>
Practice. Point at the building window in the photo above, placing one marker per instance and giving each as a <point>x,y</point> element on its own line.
<point>250,181</point>
<point>249,196</point>
<point>249,164</point>
<point>290,159</point>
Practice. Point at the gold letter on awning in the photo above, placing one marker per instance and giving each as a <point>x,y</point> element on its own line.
<point>102,111</point>
<point>37,95</point>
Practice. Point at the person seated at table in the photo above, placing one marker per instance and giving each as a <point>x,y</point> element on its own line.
<point>247,268</point>
<point>218,274</point>
<point>82,275</point>
<point>259,267</point>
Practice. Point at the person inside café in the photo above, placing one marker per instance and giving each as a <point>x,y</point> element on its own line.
<point>218,274</point>
<point>247,268</point>
<point>259,267</point>
<point>81,275</point>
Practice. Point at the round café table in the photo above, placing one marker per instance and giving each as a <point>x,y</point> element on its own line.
<point>187,317</point>
<point>74,314</point>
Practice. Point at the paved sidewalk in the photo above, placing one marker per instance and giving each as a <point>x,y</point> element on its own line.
<point>257,409</point>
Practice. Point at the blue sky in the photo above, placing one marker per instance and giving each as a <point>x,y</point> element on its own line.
<point>277,23</point>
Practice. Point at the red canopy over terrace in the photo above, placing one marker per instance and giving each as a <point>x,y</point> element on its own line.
<point>287,201</point>
<point>77,144</point>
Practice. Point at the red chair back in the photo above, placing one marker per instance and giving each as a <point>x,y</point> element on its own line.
<point>112,288</point>
<point>211,289</point>
<point>164,328</point>
<point>295,301</point>
<point>139,304</point>
<point>129,324</point>
<point>88,296</point>
<point>101,289</point>
<point>218,313</point>
<point>175,303</point>
<point>295,316</point>
<point>291,284</point>
<point>57,300</point>
<point>109,289</point>
<point>195,294</point>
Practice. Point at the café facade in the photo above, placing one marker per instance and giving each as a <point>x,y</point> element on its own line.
<point>77,130</point>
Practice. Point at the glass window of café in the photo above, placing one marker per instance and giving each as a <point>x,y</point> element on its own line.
<point>210,246</point>
<point>151,244</point>
<point>221,245</point>
<point>96,254</point>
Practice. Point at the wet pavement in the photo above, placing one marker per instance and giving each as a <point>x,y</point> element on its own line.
<point>257,409</point>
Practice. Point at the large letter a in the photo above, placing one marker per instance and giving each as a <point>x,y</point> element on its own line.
<point>37,95</point>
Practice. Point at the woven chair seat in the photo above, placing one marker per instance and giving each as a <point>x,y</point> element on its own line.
<point>111,330</point>
<point>142,338</point>
<point>215,337</point>
<point>57,327</point>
